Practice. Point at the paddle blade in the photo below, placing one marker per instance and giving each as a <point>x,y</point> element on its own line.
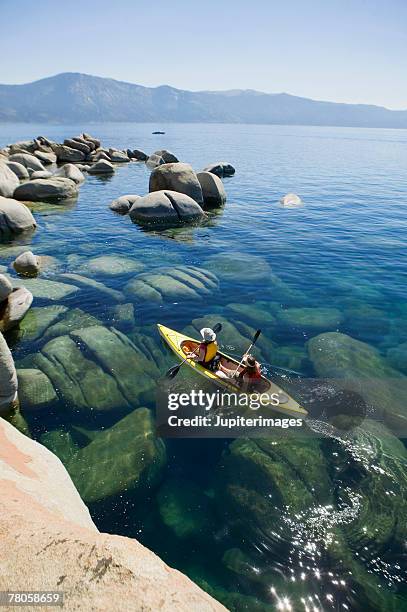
<point>172,372</point>
<point>256,335</point>
<point>217,328</point>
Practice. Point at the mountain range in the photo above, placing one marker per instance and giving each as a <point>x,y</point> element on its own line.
<point>74,97</point>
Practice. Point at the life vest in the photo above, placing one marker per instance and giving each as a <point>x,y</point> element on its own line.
<point>211,349</point>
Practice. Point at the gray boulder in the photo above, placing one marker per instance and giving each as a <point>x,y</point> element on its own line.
<point>79,146</point>
<point>27,264</point>
<point>53,189</point>
<point>176,177</point>
<point>168,157</point>
<point>101,167</point>
<point>221,169</point>
<point>15,217</point>
<point>8,376</point>
<point>165,207</point>
<point>27,160</point>
<point>213,191</point>
<point>41,174</point>
<point>88,143</point>
<point>28,146</point>
<point>97,155</point>
<point>137,154</point>
<point>8,181</point>
<point>46,157</point>
<point>15,308</point>
<point>90,138</point>
<point>123,204</point>
<point>154,160</point>
<point>19,170</point>
<point>5,288</point>
<point>118,156</point>
<point>70,171</point>
<point>68,154</point>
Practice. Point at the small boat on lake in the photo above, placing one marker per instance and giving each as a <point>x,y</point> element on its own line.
<point>183,345</point>
<point>158,132</point>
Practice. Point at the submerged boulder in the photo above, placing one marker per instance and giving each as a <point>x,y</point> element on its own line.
<point>177,177</point>
<point>362,368</point>
<point>52,189</point>
<point>397,357</point>
<point>221,169</point>
<point>8,181</point>
<point>311,319</point>
<point>123,204</point>
<point>213,191</point>
<point>111,265</point>
<point>39,319</point>
<point>177,283</point>
<point>239,267</point>
<point>15,217</point>
<point>165,207</point>
<point>8,376</point>
<point>35,390</point>
<point>127,458</point>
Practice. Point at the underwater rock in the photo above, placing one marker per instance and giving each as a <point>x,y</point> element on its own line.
<point>177,177</point>
<point>45,289</point>
<point>111,265</point>
<point>124,361</point>
<point>61,443</point>
<point>27,264</point>
<point>123,315</point>
<point>291,200</point>
<point>123,204</point>
<point>311,319</point>
<point>365,321</point>
<point>37,320</point>
<point>213,191</point>
<point>73,320</point>
<point>15,217</point>
<point>14,308</point>
<point>165,208</point>
<point>221,169</point>
<point>364,370</point>
<point>77,379</point>
<point>397,357</point>
<point>89,283</point>
<point>35,390</point>
<point>48,190</point>
<point>185,509</point>
<point>292,357</point>
<point>128,457</point>
<point>8,376</point>
<point>239,267</point>
<point>257,313</point>
<point>177,283</point>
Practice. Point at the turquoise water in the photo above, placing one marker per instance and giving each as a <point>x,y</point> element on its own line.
<point>332,536</point>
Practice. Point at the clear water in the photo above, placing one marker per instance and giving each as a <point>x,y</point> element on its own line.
<point>345,248</point>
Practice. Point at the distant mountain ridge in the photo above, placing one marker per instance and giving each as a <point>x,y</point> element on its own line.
<point>74,97</point>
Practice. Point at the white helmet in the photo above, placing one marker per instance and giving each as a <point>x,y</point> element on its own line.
<point>208,334</point>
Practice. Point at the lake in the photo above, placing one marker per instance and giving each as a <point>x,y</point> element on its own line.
<point>288,523</point>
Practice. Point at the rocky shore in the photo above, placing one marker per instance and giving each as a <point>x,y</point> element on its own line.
<point>46,528</point>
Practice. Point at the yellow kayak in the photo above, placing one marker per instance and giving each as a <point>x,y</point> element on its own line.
<point>181,345</point>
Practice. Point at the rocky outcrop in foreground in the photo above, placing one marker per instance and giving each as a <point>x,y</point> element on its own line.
<point>49,541</point>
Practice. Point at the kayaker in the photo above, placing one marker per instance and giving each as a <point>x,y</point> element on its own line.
<point>249,375</point>
<point>208,348</point>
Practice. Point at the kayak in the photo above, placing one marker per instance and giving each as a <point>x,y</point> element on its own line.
<point>182,345</point>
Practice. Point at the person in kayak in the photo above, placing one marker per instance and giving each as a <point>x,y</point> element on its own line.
<point>207,350</point>
<point>248,377</point>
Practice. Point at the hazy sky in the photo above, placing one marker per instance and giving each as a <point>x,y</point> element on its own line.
<point>340,50</point>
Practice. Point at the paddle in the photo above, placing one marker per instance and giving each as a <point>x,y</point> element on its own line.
<point>172,372</point>
<point>255,337</point>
